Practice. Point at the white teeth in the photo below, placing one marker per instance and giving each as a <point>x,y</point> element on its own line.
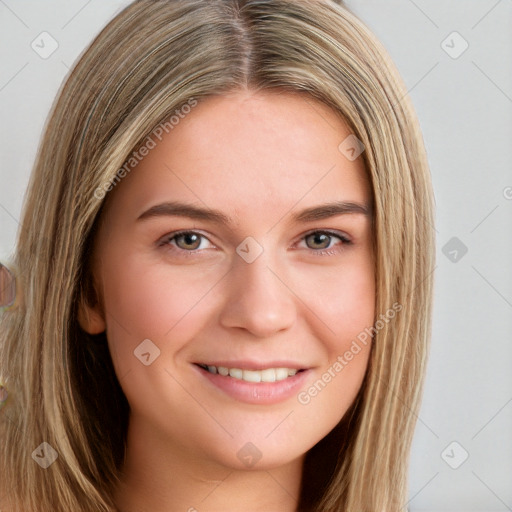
<point>267,375</point>
<point>251,376</point>
<point>281,373</point>
<point>222,370</point>
<point>236,373</point>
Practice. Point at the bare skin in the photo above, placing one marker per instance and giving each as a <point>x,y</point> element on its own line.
<point>259,159</point>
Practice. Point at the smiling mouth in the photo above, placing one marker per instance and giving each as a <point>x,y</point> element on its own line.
<point>266,375</point>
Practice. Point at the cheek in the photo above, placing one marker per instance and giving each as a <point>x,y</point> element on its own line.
<point>344,307</point>
<point>342,297</point>
<point>151,298</point>
<point>145,300</point>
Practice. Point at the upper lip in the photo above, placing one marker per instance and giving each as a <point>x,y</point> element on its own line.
<point>254,365</point>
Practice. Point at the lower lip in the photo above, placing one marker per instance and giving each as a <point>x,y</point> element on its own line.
<point>256,392</point>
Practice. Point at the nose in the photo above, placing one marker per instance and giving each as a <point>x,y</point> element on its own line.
<point>258,299</point>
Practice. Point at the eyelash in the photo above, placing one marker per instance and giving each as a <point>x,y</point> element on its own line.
<point>165,242</point>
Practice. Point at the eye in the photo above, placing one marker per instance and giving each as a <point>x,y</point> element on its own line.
<point>186,241</point>
<point>321,240</point>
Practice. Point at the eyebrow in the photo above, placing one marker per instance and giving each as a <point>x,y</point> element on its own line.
<point>314,213</point>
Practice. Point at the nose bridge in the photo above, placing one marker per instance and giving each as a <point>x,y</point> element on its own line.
<point>257,300</point>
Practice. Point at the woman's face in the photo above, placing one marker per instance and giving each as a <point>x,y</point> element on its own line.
<point>272,280</point>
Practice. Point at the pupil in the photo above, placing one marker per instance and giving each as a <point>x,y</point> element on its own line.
<point>190,239</point>
<point>320,239</point>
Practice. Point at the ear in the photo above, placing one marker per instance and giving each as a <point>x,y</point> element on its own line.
<point>91,317</point>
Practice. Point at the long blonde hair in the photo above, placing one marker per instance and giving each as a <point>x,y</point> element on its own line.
<point>149,61</point>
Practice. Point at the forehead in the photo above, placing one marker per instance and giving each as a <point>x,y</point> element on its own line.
<point>248,152</point>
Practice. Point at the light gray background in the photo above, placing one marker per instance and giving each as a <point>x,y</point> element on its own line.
<point>465,110</point>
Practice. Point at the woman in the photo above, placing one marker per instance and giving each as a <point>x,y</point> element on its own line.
<point>225,259</point>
